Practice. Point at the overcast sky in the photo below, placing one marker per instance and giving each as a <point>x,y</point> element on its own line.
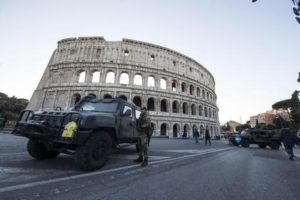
<point>252,50</point>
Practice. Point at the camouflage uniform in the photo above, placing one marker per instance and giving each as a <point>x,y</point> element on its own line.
<point>145,134</point>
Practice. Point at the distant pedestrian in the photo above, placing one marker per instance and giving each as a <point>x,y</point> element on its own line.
<point>207,137</point>
<point>196,135</point>
<point>289,140</point>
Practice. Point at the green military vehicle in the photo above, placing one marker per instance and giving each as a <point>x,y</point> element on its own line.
<point>88,132</point>
<point>260,137</point>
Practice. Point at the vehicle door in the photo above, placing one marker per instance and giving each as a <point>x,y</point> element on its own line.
<point>262,136</point>
<point>127,123</point>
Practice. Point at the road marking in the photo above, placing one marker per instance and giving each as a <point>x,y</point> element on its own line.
<point>193,151</point>
<point>74,177</point>
<point>132,157</point>
<point>8,154</point>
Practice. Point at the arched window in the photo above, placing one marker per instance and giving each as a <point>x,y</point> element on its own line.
<point>123,97</point>
<point>175,130</point>
<point>203,94</point>
<point>151,81</point>
<point>174,85</point>
<point>175,107</point>
<point>138,79</point>
<point>163,83</point>
<point>207,95</point>
<point>191,90</point>
<point>110,77</point>
<point>150,104</point>
<point>205,111</point>
<point>137,101</point>
<point>198,92</point>
<point>200,110</point>
<point>81,76</point>
<point>193,108</point>
<point>124,78</point>
<point>92,95</point>
<point>75,98</point>
<point>163,105</point>
<point>185,108</point>
<point>163,129</point>
<point>209,112</point>
<point>183,87</point>
<point>107,96</point>
<point>96,77</point>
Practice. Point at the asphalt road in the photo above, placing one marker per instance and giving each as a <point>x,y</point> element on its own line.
<point>178,169</point>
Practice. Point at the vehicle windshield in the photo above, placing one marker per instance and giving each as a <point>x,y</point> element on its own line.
<point>109,107</point>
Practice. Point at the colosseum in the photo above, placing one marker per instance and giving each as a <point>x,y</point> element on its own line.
<point>178,91</point>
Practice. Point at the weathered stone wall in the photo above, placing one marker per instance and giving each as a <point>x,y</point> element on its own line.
<point>182,97</point>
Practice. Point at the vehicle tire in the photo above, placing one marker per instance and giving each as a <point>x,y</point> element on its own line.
<point>262,146</point>
<point>39,151</point>
<point>95,152</point>
<point>245,143</point>
<point>274,145</point>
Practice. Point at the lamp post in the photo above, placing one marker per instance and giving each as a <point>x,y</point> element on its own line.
<point>298,78</point>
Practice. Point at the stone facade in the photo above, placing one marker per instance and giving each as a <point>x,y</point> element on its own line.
<point>178,91</point>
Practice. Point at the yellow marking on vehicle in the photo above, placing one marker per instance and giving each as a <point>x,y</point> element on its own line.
<point>70,129</point>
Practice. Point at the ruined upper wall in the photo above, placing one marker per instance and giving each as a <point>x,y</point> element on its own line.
<point>130,52</point>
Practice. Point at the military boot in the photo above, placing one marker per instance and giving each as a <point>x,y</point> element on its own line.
<point>139,159</point>
<point>145,162</point>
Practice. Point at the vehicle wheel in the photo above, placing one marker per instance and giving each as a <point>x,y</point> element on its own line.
<point>245,143</point>
<point>39,150</point>
<point>262,146</point>
<point>95,152</point>
<point>274,145</point>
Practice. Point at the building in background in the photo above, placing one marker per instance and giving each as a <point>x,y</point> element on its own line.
<point>178,91</point>
<point>268,117</point>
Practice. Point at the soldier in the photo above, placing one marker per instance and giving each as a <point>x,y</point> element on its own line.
<point>289,140</point>
<point>207,136</point>
<point>144,124</point>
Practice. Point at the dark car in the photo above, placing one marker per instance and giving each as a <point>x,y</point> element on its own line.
<point>88,132</point>
<point>260,137</point>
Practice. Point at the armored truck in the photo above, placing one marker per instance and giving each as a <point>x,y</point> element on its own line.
<point>260,137</point>
<point>88,131</point>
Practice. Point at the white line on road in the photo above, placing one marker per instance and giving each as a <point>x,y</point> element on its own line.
<point>74,177</point>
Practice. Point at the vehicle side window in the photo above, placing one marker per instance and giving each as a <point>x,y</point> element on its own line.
<point>127,108</point>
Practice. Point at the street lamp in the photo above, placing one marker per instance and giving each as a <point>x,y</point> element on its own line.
<point>298,78</point>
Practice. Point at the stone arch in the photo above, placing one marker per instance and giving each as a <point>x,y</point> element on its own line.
<point>200,110</point>
<point>124,78</point>
<point>151,81</point>
<point>110,77</point>
<point>124,97</point>
<point>183,87</point>
<point>137,100</point>
<point>75,98</point>
<point>203,94</point>
<point>107,96</point>
<point>195,127</point>
<point>138,79</point>
<point>193,109</point>
<point>81,75</point>
<point>176,130</point>
<point>209,112</point>
<point>93,95</point>
<point>186,129</point>
<point>192,90</point>
<point>163,129</point>
<point>175,107</point>
<point>202,129</point>
<point>205,112</point>
<point>96,76</point>
<point>174,85</point>
<point>198,92</point>
<point>164,105</point>
<point>163,83</point>
<point>151,104</point>
<point>61,100</point>
<point>185,109</point>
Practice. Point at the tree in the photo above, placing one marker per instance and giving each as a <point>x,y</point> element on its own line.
<point>10,107</point>
<point>296,9</point>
